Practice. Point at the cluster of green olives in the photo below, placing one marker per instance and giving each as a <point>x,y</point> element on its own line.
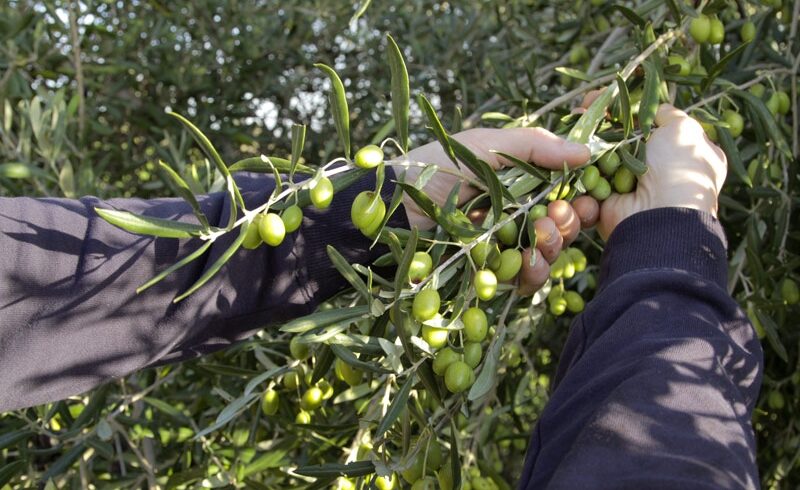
<point>597,179</point>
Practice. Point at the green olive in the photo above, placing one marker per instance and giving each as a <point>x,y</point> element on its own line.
<point>700,28</point>
<point>775,400</point>
<point>386,482</point>
<point>427,483</point>
<point>680,61</point>
<point>472,354</point>
<point>347,373</point>
<point>748,31</point>
<point>789,292</point>
<point>555,195</point>
<point>434,336</point>
<point>312,399</point>
<point>578,54</point>
<point>421,266</point>
<point>326,387</point>
<point>270,402</point>
<point>443,359</point>
<point>710,130</point>
<point>557,267</point>
<point>758,90</point>
<point>426,304</point>
<point>271,229</point>
<point>367,209</point>
<point>507,234</point>
<point>252,237</point>
<point>735,122</point>
<point>476,325</point>
<point>609,163</point>
<point>574,301</point>
<point>486,253</point>
<point>717,32</point>
<point>784,103</point>
<point>322,193</point>
<point>602,190</point>
<point>291,380</point>
<point>510,264</point>
<point>624,180</point>
<point>590,177</point>
<point>774,103</point>
<point>299,349</point>
<point>302,418</point>
<point>414,472</point>
<point>369,157</point>
<point>539,211</point>
<point>577,257</point>
<point>458,376</point>
<point>292,218</point>
<point>558,306</point>
<point>485,283</point>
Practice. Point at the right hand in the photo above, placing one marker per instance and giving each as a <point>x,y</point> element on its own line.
<point>685,170</point>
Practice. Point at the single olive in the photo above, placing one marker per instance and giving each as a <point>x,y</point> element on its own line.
<point>476,325</point>
<point>458,376</point>
<point>292,218</point>
<point>270,402</point>
<point>369,157</point>
<point>510,264</point>
<point>443,359</point>
<point>426,304</point>
<point>322,193</point>
<point>421,266</point>
<point>472,354</point>
<point>485,283</point>
<point>271,229</point>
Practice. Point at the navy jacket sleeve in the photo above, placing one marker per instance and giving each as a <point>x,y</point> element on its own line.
<point>660,374</point>
<point>70,318</point>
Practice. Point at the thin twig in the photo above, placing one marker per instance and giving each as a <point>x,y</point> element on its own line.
<point>76,60</point>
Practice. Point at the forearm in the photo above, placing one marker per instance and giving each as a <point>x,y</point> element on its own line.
<point>70,318</point>
<point>660,374</point>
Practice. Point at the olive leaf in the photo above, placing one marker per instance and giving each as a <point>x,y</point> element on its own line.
<point>625,106</point>
<point>185,192</point>
<point>338,101</point>
<point>650,97</point>
<point>148,225</point>
<point>258,165</point>
<point>325,318</point>
<point>346,270</point>
<point>358,468</point>
<point>400,91</point>
<point>298,141</point>
<point>438,129</point>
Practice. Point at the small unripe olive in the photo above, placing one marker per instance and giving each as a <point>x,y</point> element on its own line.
<point>472,354</point>
<point>784,103</point>
<point>476,325</point>
<point>271,229</point>
<point>558,306</point>
<point>426,304</point>
<point>299,349</point>
<point>758,90</point>
<point>510,264</point>
<point>322,193</point>
<point>609,163</point>
<point>591,175</point>
<point>717,33</point>
<point>602,190</point>
<point>538,211</point>
<point>485,283</point>
<point>270,402</point>
<point>735,122</point>
<point>790,292</point>
<point>486,253</point>
<point>684,67</point>
<point>443,359</point>
<point>434,336</point>
<point>577,257</point>
<point>574,301</point>
<point>774,104</point>
<point>624,180</point>
<point>252,237</point>
<point>458,377</point>
<point>369,157</point>
<point>347,373</point>
<point>710,130</point>
<point>302,418</point>
<point>312,399</point>
<point>292,218</point>
<point>748,31</point>
<point>507,234</point>
<point>775,400</point>
<point>700,28</point>
<point>421,266</point>
<point>578,54</point>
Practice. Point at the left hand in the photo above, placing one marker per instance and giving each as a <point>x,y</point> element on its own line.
<point>533,145</point>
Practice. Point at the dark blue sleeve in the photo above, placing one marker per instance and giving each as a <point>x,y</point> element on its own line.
<point>70,318</point>
<point>660,374</point>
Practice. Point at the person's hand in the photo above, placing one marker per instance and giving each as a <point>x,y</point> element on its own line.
<point>685,169</point>
<point>534,145</point>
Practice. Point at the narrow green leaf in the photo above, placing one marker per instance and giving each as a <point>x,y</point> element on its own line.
<point>448,221</point>
<point>64,462</point>
<point>147,225</point>
<point>573,73</point>
<point>400,91</point>
<point>216,266</point>
<point>649,104</point>
<point>185,192</point>
<point>338,101</point>
<point>271,459</point>
<point>767,119</point>
<point>401,275</point>
<point>272,373</point>
<point>11,470</point>
<point>625,106</point>
<point>675,11</point>
<point>591,119</point>
<point>438,129</point>
<point>728,145</point>
<point>211,153</point>
<point>165,408</point>
<point>10,438</point>
<point>487,377</point>
<point>630,15</point>
<point>717,69</point>
<point>298,141</point>
<point>350,358</point>
<point>773,338</point>
<point>169,270</point>
<point>357,468</point>
<point>523,165</point>
<point>486,174</point>
<point>632,163</point>
<point>325,318</point>
<point>347,271</point>
<point>256,164</point>
<point>18,170</point>
<point>396,408</point>
<point>361,10</point>
<point>324,361</point>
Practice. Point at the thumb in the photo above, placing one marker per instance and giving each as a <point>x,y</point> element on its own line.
<point>614,210</point>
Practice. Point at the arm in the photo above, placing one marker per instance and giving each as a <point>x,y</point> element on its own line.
<point>660,374</point>
<point>70,318</point>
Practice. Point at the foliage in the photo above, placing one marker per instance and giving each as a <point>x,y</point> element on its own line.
<point>508,63</point>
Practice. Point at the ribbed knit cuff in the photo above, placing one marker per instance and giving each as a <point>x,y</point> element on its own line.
<point>667,238</point>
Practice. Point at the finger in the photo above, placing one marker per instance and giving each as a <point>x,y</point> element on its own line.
<point>566,220</point>
<point>588,210</point>
<point>615,209</point>
<point>578,110</point>
<point>548,238</point>
<point>590,97</point>
<point>534,145</point>
<point>667,113</point>
<point>531,279</point>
